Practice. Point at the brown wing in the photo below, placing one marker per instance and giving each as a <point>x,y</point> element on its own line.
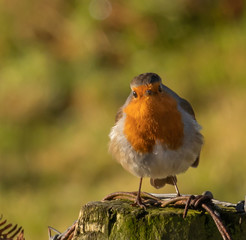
<point>118,115</point>
<point>196,163</point>
<point>188,108</point>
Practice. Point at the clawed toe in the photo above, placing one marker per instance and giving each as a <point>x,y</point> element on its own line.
<point>139,202</point>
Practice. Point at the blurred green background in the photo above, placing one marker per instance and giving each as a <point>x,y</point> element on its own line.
<point>65,68</point>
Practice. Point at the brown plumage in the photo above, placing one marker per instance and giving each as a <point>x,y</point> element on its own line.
<point>156,134</point>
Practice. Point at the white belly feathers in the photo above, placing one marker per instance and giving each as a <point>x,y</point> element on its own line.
<point>162,162</point>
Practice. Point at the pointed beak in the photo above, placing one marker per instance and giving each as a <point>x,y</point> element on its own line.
<point>148,92</point>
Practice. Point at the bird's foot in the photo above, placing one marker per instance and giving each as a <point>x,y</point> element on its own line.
<point>139,202</point>
<point>146,198</point>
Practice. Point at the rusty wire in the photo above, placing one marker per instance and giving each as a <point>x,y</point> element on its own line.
<point>67,235</point>
<point>199,202</point>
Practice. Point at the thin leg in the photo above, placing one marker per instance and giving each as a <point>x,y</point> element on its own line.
<point>138,200</point>
<point>175,185</point>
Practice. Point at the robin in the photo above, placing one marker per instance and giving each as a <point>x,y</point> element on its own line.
<point>156,134</point>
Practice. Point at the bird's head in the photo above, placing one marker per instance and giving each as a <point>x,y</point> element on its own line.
<point>146,85</point>
<point>151,115</point>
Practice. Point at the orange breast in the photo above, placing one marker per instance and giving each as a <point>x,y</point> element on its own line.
<point>153,118</point>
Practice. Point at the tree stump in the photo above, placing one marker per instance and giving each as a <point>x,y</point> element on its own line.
<point>118,219</point>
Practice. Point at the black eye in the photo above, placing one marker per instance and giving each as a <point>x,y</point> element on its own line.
<point>134,94</point>
<point>159,89</point>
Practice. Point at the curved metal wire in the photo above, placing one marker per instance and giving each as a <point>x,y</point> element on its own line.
<point>199,202</point>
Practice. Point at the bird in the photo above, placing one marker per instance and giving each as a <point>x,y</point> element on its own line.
<point>156,134</point>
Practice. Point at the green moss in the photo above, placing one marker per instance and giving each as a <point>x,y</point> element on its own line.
<point>120,220</point>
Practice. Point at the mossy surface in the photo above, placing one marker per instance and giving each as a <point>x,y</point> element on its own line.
<point>120,220</point>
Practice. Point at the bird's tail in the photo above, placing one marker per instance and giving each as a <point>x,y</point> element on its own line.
<point>161,182</point>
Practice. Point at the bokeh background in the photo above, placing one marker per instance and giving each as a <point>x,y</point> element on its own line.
<point>65,68</point>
